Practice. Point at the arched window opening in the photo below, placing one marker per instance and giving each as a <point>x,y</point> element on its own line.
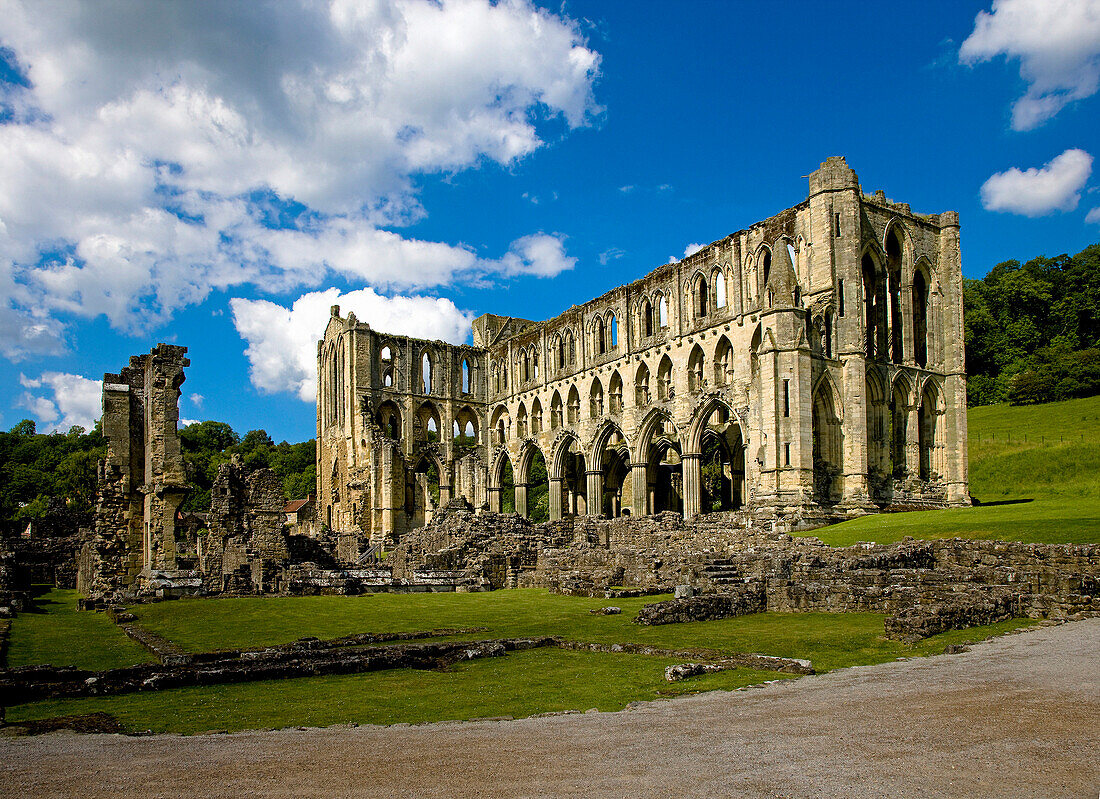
<point>563,355</point>
<point>893,264</point>
<point>870,304</point>
<point>521,421</point>
<point>695,370</point>
<point>389,419</point>
<point>535,363</point>
<point>573,410</point>
<point>701,298</point>
<point>572,348</point>
<point>723,362</point>
<point>927,422</point>
<point>433,429</point>
<point>899,430</point>
<point>556,415</point>
<point>719,289</point>
<point>596,399</point>
<point>828,343</point>
<point>615,394</point>
<point>766,268</point>
<point>614,326</point>
<point>641,386</point>
<point>920,318</point>
<point>538,489</point>
<point>387,378</point>
<point>664,380</point>
<point>465,376</point>
<point>536,417</point>
<point>828,447</point>
<point>722,467</point>
<point>426,374</point>
<point>662,312</point>
<point>598,335</point>
<point>647,318</point>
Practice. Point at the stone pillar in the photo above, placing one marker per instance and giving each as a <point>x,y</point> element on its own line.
<point>521,499</point>
<point>639,484</point>
<point>494,499</point>
<point>594,491</point>
<point>912,441</point>
<point>446,494</point>
<point>690,465</point>
<point>555,498</point>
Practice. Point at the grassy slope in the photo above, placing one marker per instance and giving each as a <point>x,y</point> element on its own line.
<point>56,632</point>
<point>518,685</point>
<point>1043,460</point>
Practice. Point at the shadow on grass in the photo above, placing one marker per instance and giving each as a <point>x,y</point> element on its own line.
<point>978,503</point>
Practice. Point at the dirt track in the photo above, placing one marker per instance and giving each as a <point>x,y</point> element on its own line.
<point>1018,716</point>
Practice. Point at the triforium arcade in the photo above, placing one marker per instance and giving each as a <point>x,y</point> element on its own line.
<point>809,365</point>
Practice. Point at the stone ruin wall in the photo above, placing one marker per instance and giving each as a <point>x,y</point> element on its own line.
<point>135,549</point>
<point>822,346</point>
<point>596,557</point>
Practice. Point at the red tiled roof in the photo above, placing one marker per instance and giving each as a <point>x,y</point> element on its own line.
<point>295,505</point>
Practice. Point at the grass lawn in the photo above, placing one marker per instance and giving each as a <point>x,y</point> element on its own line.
<point>520,684</point>
<point>54,631</point>
<point>1040,462</point>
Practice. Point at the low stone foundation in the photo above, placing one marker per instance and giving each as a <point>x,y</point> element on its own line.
<point>932,583</point>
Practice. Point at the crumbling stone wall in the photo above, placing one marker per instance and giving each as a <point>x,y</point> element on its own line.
<point>141,483</point>
<point>927,585</point>
<point>245,546</point>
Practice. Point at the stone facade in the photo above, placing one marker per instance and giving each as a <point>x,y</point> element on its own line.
<point>140,545</point>
<point>141,482</point>
<point>809,365</point>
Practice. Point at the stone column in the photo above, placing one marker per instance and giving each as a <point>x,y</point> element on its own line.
<point>912,441</point>
<point>594,500</point>
<point>555,498</point>
<point>639,484</point>
<point>521,499</point>
<point>690,464</point>
<point>494,499</point>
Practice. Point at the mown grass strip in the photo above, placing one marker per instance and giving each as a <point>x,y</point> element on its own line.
<point>55,632</point>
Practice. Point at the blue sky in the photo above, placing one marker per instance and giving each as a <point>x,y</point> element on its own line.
<point>216,175</point>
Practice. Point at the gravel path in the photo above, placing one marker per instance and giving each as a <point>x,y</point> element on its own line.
<point>1017,716</point>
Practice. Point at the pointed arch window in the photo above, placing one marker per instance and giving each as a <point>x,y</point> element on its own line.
<point>719,289</point>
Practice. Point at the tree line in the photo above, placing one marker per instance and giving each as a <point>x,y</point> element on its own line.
<point>51,478</point>
<point>1033,330</point>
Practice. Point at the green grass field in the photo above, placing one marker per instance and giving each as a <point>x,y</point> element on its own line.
<point>56,632</point>
<point>518,685</point>
<point>1036,469</point>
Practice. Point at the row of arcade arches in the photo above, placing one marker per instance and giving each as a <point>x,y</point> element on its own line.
<point>614,478</point>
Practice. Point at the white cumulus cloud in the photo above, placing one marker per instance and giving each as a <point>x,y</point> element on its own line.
<point>1093,216</point>
<point>59,400</point>
<point>156,145</point>
<point>1057,43</point>
<point>1035,192</point>
<point>693,248</point>
<point>282,341</point>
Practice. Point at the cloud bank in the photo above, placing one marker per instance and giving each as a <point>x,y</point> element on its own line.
<point>60,401</point>
<point>1057,43</point>
<point>155,152</point>
<point>282,341</point>
<point>1036,192</point>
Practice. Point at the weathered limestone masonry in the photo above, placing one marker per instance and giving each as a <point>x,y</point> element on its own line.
<point>141,482</point>
<point>807,367</point>
<point>136,549</point>
<point>927,586</point>
<point>245,547</point>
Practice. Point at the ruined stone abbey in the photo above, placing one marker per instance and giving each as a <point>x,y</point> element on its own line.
<point>809,367</point>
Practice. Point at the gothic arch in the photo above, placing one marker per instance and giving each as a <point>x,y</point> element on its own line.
<point>604,434</point>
